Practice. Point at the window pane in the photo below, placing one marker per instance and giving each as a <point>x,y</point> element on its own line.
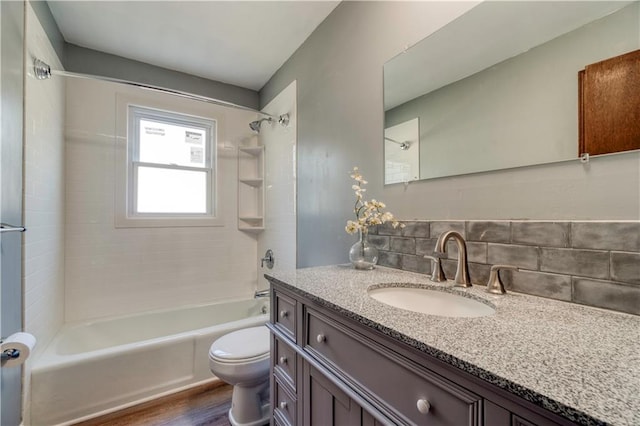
<point>165,143</point>
<point>171,191</point>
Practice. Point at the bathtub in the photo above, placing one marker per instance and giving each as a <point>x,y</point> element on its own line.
<point>93,368</point>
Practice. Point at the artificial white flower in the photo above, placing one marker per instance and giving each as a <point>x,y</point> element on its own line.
<point>351,227</point>
<point>368,213</point>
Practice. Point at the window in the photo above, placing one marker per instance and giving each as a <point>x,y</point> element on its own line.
<point>166,166</point>
<point>171,163</point>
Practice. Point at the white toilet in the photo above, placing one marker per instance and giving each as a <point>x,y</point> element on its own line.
<point>241,358</point>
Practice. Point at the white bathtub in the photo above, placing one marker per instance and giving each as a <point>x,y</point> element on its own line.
<point>93,368</point>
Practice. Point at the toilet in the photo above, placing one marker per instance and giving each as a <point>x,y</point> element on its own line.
<point>241,358</point>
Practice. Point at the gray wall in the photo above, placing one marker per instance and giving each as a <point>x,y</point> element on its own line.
<point>11,118</point>
<point>340,120</point>
<point>88,61</point>
<point>41,8</point>
<point>340,124</point>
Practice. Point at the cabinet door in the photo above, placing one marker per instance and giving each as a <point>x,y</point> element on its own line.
<point>609,115</point>
<point>325,404</point>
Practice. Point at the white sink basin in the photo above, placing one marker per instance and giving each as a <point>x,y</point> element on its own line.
<point>432,302</point>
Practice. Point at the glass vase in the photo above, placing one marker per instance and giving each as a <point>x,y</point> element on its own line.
<point>363,255</point>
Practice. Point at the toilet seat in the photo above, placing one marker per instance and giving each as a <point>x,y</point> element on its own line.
<point>242,346</point>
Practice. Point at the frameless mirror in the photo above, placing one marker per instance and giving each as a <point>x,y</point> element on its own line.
<point>498,87</point>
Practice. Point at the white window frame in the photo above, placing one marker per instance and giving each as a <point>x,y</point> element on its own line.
<point>129,111</point>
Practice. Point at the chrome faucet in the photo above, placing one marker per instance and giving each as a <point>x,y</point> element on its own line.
<point>462,271</point>
<point>262,293</point>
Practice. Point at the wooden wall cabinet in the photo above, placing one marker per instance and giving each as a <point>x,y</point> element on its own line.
<point>609,105</point>
<point>328,369</point>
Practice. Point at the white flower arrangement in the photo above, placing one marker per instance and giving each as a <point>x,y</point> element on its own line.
<point>368,213</point>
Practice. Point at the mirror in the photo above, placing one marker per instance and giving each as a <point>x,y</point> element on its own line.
<point>498,87</point>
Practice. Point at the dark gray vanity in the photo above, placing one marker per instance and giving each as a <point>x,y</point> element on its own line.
<point>341,358</point>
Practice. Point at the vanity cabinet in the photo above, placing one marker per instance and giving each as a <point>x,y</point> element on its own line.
<point>329,369</point>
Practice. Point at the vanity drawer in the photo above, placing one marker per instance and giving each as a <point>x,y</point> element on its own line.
<point>285,362</point>
<point>284,315</point>
<point>396,382</point>
<point>285,405</point>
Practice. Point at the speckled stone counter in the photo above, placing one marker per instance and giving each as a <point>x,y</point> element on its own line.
<point>582,363</point>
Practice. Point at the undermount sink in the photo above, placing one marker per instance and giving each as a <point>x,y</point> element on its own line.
<point>430,301</point>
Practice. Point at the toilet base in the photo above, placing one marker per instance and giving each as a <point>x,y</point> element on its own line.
<point>250,405</point>
<point>264,420</point>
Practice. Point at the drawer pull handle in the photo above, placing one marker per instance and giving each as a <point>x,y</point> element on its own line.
<point>423,406</point>
<point>283,405</point>
<point>283,360</point>
<point>284,314</point>
<point>321,338</point>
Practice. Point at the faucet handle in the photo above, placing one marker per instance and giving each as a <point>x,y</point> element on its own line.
<point>494,285</point>
<point>436,269</point>
<point>433,259</point>
<point>268,259</point>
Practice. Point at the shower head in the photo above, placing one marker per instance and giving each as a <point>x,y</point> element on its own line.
<point>255,125</point>
<point>283,120</point>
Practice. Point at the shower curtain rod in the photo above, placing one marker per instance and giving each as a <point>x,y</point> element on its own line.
<point>43,72</point>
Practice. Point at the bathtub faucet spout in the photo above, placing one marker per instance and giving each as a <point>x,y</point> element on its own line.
<point>261,293</point>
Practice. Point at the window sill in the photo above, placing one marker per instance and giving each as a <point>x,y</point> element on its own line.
<point>167,222</point>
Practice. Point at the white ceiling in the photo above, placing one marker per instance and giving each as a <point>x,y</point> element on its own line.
<point>238,42</point>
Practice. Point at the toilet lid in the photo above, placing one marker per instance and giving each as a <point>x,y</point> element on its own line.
<point>248,343</point>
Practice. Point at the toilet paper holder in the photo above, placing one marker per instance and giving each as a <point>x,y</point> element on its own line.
<point>9,353</point>
<point>15,349</point>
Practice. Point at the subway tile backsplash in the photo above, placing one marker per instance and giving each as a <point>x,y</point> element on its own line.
<point>590,263</point>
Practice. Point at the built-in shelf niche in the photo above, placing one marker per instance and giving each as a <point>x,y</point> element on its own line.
<point>256,183</point>
<point>251,187</point>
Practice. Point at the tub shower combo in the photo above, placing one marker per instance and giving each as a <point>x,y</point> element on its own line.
<point>93,368</point>
<point>97,367</point>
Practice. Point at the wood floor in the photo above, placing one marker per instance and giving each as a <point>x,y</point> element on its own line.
<point>202,406</point>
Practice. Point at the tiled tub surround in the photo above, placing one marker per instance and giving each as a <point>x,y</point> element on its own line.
<point>591,263</point>
<point>579,362</point>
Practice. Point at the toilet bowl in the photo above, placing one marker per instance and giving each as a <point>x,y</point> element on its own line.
<point>241,358</point>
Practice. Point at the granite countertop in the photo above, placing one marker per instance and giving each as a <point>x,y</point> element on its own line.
<point>580,362</point>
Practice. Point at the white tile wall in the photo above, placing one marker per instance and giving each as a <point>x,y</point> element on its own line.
<point>280,181</point>
<point>115,271</point>
<point>43,198</point>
